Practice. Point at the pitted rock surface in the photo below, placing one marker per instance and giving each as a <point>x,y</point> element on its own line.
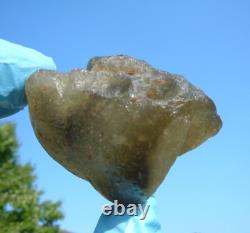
<point>120,124</point>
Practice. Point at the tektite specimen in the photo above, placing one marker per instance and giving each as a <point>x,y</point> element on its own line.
<point>120,124</point>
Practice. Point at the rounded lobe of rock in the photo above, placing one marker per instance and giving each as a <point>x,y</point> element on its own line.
<point>120,124</point>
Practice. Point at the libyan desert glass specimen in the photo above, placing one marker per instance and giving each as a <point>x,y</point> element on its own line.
<point>120,124</point>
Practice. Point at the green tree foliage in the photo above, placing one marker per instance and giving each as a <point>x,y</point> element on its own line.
<point>21,208</point>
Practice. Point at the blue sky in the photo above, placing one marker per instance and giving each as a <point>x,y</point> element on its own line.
<point>207,189</point>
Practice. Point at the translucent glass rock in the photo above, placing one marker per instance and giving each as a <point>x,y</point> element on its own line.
<point>120,124</point>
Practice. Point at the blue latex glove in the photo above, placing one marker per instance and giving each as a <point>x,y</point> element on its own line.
<point>17,63</point>
<point>130,224</point>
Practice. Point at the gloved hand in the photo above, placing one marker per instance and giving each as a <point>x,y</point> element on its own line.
<point>17,63</point>
<point>130,224</point>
